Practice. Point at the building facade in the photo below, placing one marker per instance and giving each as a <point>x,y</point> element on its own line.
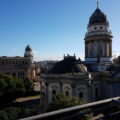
<point>71,78</point>
<point>98,39</point>
<point>20,67</point>
<point>95,80</point>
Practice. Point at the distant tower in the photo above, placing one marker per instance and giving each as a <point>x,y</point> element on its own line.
<point>98,39</point>
<point>28,53</point>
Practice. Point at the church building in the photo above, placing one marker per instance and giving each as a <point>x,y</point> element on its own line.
<point>92,80</point>
<point>98,42</point>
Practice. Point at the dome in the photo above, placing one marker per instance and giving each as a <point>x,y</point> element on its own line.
<point>69,65</point>
<point>98,17</point>
<point>28,48</point>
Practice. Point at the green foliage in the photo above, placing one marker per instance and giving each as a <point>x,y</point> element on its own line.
<point>10,88</point>
<point>61,101</point>
<point>3,115</point>
<point>29,88</point>
<point>14,113</point>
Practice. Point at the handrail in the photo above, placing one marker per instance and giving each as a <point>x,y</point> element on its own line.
<point>71,109</point>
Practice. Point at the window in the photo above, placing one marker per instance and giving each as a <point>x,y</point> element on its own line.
<point>14,74</point>
<point>100,52</point>
<point>67,93</point>
<point>96,92</point>
<point>26,62</point>
<point>81,95</point>
<point>101,27</point>
<point>19,75</point>
<point>53,93</point>
<point>22,62</point>
<point>95,28</point>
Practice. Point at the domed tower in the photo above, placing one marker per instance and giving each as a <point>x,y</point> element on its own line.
<point>28,52</point>
<point>98,39</point>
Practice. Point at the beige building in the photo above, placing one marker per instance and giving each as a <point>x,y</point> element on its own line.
<point>20,67</point>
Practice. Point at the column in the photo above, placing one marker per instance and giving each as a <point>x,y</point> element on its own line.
<point>105,47</point>
<point>110,49</point>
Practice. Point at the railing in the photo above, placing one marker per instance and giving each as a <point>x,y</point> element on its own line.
<point>98,32</point>
<point>72,112</point>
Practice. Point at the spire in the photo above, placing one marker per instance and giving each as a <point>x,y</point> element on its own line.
<point>97,4</point>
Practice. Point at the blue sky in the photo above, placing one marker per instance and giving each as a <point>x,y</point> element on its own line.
<point>52,27</point>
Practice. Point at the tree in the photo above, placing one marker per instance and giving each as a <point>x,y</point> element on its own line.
<point>61,101</point>
<point>15,113</point>
<point>10,88</point>
<point>28,84</point>
<point>3,115</point>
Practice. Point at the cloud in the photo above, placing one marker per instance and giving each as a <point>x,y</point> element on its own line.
<point>14,49</point>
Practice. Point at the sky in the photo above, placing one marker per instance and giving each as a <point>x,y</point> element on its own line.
<point>52,27</point>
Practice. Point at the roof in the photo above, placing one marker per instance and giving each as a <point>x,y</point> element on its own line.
<point>98,17</point>
<point>28,48</point>
<point>68,65</point>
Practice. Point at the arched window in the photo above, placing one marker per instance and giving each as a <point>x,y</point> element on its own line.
<point>67,93</point>
<point>96,92</point>
<point>101,27</point>
<point>54,92</point>
<point>22,62</point>
<point>81,95</point>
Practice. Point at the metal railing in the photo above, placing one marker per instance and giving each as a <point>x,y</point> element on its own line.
<point>62,112</point>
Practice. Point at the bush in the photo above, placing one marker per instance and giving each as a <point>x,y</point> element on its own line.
<point>29,87</point>
<point>3,115</point>
<point>61,101</point>
<point>14,113</point>
<point>10,88</point>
